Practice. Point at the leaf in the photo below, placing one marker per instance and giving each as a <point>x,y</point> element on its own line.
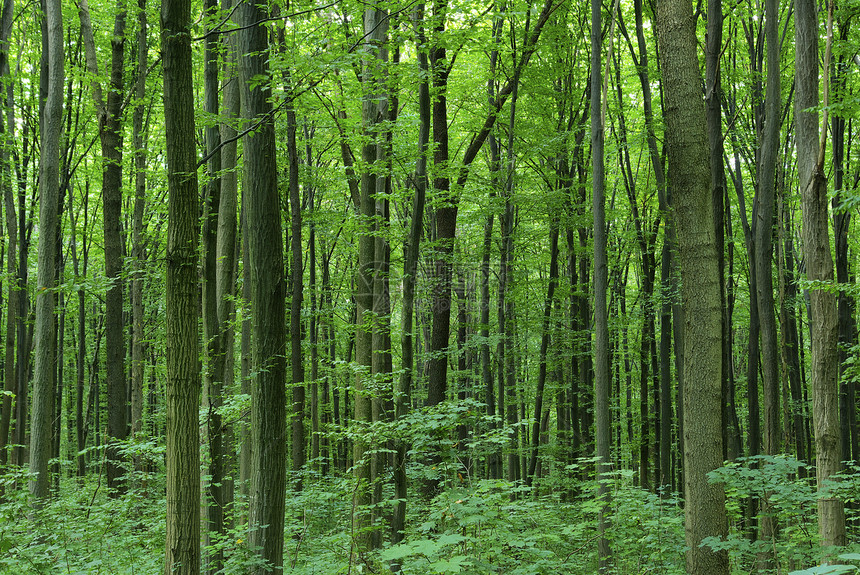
<point>826,570</point>
<point>451,539</point>
<point>397,552</point>
<point>453,565</point>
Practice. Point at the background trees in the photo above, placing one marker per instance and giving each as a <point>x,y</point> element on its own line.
<point>418,187</point>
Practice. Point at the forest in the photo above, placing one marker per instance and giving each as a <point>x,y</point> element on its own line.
<point>485,287</point>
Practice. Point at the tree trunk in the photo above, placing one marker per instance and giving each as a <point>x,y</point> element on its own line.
<point>297,365</point>
<point>689,176</point>
<point>819,268</point>
<point>7,126</point>
<point>402,398</point>
<point>763,260</point>
<point>182,542</point>
<point>110,133</point>
<point>544,346</point>
<point>45,345</point>
<point>138,247</point>
<point>214,377</point>
<point>445,216</point>
<point>266,257</point>
<point>601,279</point>
<point>226,252</point>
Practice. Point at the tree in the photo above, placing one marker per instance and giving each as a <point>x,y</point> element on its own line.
<point>690,181</point>
<point>265,261</point>
<point>49,193</point>
<point>601,328</point>
<point>182,542</point>
<point>110,133</point>
<point>819,267</point>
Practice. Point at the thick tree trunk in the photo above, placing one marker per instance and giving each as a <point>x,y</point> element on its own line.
<point>445,216</point>
<point>49,192</point>
<point>182,541</point>
<point>819,268</point>
<point>690,178</point>
<point>266,261</point>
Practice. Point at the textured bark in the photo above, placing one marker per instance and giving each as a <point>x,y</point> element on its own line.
<point>266,263</point>
<point>690,178</point>
<point>819,268</point>
<point>49,192</point>
<point>713,99</point>
<point>182,542</point>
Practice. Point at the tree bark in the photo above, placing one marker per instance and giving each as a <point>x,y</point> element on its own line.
<point>266,262</point>
<point>690,178</point>
<point>49,192</point>
<point>819,268</point>
<point>182,541</point>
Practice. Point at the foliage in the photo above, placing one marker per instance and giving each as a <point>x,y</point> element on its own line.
<point>84,531</point>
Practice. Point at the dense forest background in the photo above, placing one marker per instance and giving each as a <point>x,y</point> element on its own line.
<point>462,287</point>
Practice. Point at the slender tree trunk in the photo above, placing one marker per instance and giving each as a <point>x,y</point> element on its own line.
<point>226,250</point>
<point>297,365</point>
<point>373,110</point>
<point>763,259</point>
<point>7,127</point>
<point>601,328</point>
<point>111,140</point>
<point>689,176</point>
<point>138,247</point>
<point>214,377</point>
<point>410,271</point>
<point>544,346</point>
<point>788,328</point>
